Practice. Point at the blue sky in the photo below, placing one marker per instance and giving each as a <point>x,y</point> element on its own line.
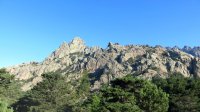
<point>31,29</point>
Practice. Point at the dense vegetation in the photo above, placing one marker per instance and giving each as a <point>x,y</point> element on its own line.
<point>184,93</point>
<point>49,95</point>
<point>9,88</point>
<point>4,107</point>
<point>9,91</point>
<point>128,94</point>
<point>53,94</point>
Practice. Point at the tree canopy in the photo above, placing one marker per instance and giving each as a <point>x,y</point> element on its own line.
<point>184,93</point>
<point>128,94</point>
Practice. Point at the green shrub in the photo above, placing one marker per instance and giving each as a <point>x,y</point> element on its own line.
<point>4,107</point>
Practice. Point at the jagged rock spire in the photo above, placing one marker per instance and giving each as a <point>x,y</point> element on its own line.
<point>76,45</point>
<point>78,40</point>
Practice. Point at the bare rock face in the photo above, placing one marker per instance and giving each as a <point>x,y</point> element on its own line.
<point>195,51</point>
<point>195,65</point>
<point>104,65</point>
<point>76,45</point>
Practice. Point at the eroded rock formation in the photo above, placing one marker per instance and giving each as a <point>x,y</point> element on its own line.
<point>104,65</point>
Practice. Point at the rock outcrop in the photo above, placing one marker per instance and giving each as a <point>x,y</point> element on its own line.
<point>104,65</point>
<point>195,51</point>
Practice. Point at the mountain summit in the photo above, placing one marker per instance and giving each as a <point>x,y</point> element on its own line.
<point>104,65</point>
<point>76,45</point>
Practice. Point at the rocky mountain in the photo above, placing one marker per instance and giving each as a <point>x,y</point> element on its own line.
<point>74,58</point>
<point>195,51</point>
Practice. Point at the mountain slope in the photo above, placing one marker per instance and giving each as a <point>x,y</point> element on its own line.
<point>104,65</point>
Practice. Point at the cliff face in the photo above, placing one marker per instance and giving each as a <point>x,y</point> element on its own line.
<point>104,65</point>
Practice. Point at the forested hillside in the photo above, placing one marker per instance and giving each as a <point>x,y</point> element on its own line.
<point>128,94</point>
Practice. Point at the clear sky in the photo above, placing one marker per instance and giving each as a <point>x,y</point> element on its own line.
<point>31,29</point>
